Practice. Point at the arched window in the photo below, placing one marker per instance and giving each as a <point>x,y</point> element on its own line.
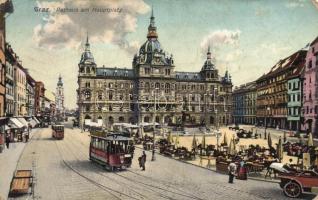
<point>121,119</point>
<point>157,85</point>
<point>88,70</point>
<point>167,88</point>
<point>87,95</point>
<point>100,95</point>
<point>147,87</point>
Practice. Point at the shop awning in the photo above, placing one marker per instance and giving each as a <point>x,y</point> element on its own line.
<point>32,122</point>
<point>36,120</point>
<point>15,123</point>
<point>23,121</point>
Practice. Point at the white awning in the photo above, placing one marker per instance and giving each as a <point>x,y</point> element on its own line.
<point>15,123</point>
<point>33,123</point>
<point>23,121</point>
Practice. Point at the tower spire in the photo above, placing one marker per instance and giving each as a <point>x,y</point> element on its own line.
<point>87,42</point>
<point>152,29</point>
<point>209,53</point>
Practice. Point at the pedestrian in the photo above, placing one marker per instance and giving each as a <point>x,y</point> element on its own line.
<point>232,171</point>
<point>142,161</point>
<point>8,140</point>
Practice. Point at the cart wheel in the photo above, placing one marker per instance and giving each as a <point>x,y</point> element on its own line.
<point>292,189</point>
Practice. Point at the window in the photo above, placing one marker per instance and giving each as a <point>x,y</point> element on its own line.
<point>167,72</point>
<point>110,108</point>
<point>88,84</point>
<point>310,64</point>
<point>167,88</point>
<point>87,95</point>
<point>157,85</point>
<point>147,70</point>
<point>147,87</point>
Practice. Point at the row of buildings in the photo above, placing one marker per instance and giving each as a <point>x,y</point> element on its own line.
<point>152,90</point>
<point>20,94</point>
<point>285,97</point>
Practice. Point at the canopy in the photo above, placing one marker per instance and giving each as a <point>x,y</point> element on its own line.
<point>32,122</point>
<point>15,123</point>
<point>194,142</point>
<point>203,142</point>
<point>36,120</point>
<point>6,127</point>
<point>176,142</point>
<point>310,141</point>
<point>269,140</point>
<point>280,149</point>
<point>23,121</point>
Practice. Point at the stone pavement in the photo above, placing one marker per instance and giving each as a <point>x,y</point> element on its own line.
<point>8,163</point>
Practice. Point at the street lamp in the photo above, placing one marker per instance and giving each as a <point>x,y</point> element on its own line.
<point>154,127</point>
<point>265,134</point>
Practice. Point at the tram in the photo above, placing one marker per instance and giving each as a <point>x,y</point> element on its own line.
<point>114,151</point>
<point>58,131</point>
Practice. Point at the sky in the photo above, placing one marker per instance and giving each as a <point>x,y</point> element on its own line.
<point>247,37</point>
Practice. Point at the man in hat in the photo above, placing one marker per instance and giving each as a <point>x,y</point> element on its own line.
<point>232,170</point>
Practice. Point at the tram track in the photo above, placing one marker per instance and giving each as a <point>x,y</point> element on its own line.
<point>146,186</point>
<point>120,183</point>
<point>169,185</point>
<point>110,190</point>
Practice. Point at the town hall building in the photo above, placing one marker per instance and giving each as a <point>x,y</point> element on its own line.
<point>152,90</point>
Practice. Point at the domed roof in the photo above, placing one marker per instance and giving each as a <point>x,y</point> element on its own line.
<point>150,46</point>
<point>87,56</point>
<point>208,64</point>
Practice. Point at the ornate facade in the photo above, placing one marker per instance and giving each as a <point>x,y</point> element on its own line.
<point>152,90</point>
<point>310,96</point>
<point>59,98</point>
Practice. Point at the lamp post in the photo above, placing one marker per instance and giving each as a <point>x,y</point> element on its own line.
<point>154,127</point>
<point>265,134</point>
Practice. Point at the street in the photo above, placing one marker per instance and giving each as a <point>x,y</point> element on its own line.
<point>62,170</point>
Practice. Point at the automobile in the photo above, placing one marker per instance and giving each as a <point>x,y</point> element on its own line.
<point>296,183</point>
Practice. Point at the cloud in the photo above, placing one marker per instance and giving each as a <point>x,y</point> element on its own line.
<point>111,23</point>
<point>224,46</point>
<point>219,38</point>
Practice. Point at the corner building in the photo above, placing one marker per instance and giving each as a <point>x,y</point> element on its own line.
<point>152,90</point>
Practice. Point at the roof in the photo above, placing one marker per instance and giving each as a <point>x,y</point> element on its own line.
<point>297,59</point>
<point>186,76</point>
<point>114,137</point>
<point>315,41</point>
<point>114,72</point>
<point>245,87</point>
